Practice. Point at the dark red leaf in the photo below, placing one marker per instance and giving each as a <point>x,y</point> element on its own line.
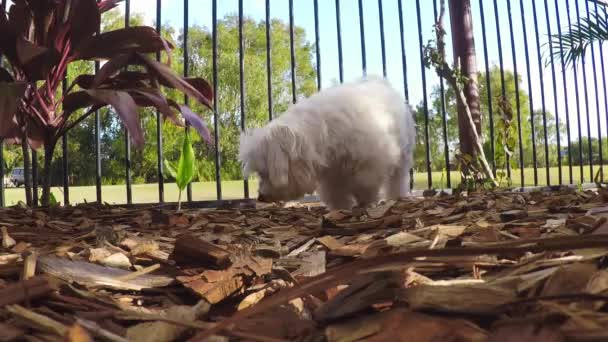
<point>106,45</point>
<point>196,122</point>
<point>27,51</point>
<point>9,128</point>
<point>7,36</point>
<point>13,134</point>
<point>84,20</point>
<point>124,80</point>
<point>110,68</point>
<point>106,5</point>
<point>20,18</point>
<point>202,86</point>
<point>151,97</point>
<point>125,108</point>
<point>43,12</point>
<point>84,81</point>
<point>77,100</point>
<point>5,76</point>
<point>10,93</point>
<point>36,61</point>
<point>168,77</point>
<point>36,134</point>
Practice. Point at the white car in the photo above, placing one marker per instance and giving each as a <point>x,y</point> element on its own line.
<point>17,176</point>
<point>8,183</point>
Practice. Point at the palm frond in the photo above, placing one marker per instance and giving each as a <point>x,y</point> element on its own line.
<point>572,45</point>
<point>599,2</point>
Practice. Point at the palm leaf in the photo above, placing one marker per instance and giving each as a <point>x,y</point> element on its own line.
<point>572,45</point>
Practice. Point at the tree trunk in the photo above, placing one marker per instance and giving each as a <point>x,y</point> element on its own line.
<point>27,172</point>
<point>463,46</point>
<point>47,174</point>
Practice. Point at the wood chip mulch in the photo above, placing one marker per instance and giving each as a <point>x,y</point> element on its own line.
<point>491,266</point>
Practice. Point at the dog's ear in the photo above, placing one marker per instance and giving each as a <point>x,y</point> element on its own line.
<point>284,136</point>
<point>278,164</point>
<point>279,146</point>
<point>246,146</point>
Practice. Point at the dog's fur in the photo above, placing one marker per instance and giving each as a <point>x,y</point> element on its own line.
<point>353,143</point>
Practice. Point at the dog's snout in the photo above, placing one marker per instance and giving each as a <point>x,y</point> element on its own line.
<point>261,198</point>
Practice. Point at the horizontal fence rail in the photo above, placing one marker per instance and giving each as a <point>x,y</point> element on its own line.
<point>543,120</point>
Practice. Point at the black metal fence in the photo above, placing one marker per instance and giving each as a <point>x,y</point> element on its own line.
<point>516,33</point>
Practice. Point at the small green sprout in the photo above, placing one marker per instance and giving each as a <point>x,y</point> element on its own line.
<point>185,168</point>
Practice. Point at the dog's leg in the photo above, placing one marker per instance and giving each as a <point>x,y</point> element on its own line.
<point>366,195</point>
<point>335,196</point>
<point>398,185</point>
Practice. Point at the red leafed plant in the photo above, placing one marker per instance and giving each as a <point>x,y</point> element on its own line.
<point>40,38</point>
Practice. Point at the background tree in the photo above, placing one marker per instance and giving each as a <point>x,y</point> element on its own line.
<point>436,124</point>
<point>229,114</point>
<point>81,143</point>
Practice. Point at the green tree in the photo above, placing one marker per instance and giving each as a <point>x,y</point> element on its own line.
<point>436,140</point>
<point>229,111</point>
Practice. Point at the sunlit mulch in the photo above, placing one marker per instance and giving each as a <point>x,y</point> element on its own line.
<point>483,267</point>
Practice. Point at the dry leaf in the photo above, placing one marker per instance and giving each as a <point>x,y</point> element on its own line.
<point>76,333</point>
<point>479,299</point>
<point>7,240</point>
<point>401,325</point>
<point>118,260</point>
<point>569,279</point>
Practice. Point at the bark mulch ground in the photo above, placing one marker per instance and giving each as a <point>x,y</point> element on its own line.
<point>493,266</point>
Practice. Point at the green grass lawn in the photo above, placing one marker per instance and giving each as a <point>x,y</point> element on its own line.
<point>148,193</point>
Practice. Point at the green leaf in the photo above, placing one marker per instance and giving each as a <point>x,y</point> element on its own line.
<point>185,168</point>
<point>52,200</point>
<point>170,168</point>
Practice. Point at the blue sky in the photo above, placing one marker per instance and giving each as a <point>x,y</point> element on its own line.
<point>200,14</point>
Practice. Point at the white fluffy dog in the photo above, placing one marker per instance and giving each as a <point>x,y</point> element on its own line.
<point>353,143</point>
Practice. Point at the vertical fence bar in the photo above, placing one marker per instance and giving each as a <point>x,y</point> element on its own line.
<point>586,94</point>
<point>268,60</point>
<point>159,124</point>
<point>446,151</point>
<point>362,33</point>
<point>382,41</point>
<point>488,86</point>
<point>567,110</point>
<point>530,95</point>
<point>425,102</point>
<point>403,55</point>
<point>242,84</point>
<point>317,41</point>
<point>186,74</point>
<point>98,149</point>
<point>554,83</point>
<point>127,135</point>
<point>216,124</point>
<point>542,91</point>
<point>64,150</point>
<point>597,105</point>
<point>339,34</point>
<point>406,92</point>
<point>601,45</point>
<point>517,103</point>
<point>2,170</point>
<point>292,52</point>
<point>34,177</point>
<point>502,75</point>
<point>578,107</point>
